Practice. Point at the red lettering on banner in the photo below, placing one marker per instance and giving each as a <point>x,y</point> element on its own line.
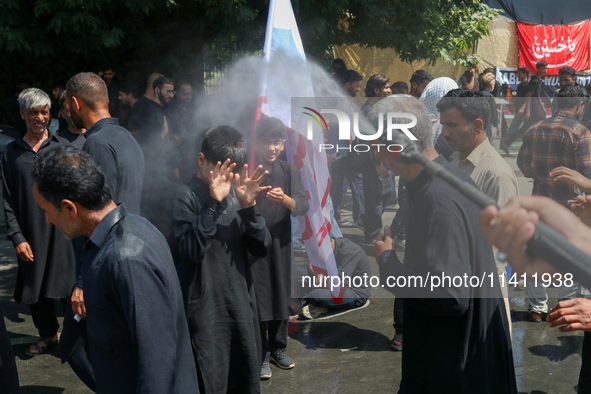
<point>560,46</point>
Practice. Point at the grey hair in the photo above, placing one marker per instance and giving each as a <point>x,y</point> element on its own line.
<point>62,99</point>
<point>33,98</point>
<point>406,103</point>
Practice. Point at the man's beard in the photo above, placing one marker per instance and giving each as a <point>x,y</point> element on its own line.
<point>162,98</point>
<point>76,120</point>
<point>38,132</point>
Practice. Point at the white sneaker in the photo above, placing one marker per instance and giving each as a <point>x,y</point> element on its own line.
<point>311,311</point>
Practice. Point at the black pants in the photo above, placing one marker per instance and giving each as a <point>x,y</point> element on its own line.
<point>45,316</point>
<point>398,314</point>
<point>8,373</point>
<point>372,189</point>
<point>518,127</point>
<point>273,336</point>
<point>74,348</point>
<point>399,224</point>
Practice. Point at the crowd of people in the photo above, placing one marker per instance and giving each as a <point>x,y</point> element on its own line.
<point>171,238</point>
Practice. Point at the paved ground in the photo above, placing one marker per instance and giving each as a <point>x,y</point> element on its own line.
<point>347,354</point>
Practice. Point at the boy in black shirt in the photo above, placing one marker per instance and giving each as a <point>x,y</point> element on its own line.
<point>272,274</point>
<point>215,225</point>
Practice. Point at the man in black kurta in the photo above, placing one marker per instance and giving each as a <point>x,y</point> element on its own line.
<point>459,336</point>
<point>120,158</point>
<point>214,229</point>
<point>138,337</point>
<point>48,273</point>
<point>122,161</point>
<point>272,274</point>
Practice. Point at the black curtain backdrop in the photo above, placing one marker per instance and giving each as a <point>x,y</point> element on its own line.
<point>544,12</point>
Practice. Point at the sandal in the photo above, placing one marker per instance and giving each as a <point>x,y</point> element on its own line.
<point>40,348</point>
<point>396,344</point>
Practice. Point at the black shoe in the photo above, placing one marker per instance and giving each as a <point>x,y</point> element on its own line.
<point>504,147</point>
<point>282,360</point>
<point>266,370</point>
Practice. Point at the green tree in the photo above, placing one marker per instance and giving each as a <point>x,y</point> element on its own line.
<point>48,40</point>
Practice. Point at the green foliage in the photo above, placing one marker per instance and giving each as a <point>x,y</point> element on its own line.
<point>417,30</point>
<point>52,39</point>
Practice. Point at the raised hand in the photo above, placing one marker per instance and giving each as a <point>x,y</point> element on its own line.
<point>248,188</point>
<point>220,180</point>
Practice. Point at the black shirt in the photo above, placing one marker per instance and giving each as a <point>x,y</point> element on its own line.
<point>76,140</point>
<point>147,118</point>
<point>272,274</point>
<point>138,336</point>
<point>520,95</point>
<point>180,122</point>
<point>121,159</point>
<point>113,93</point>
<point>537,110</point>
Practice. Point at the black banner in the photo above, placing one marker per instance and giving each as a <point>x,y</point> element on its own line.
<point>508,77</point>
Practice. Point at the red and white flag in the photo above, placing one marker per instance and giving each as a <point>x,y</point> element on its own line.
<point>285,76</point>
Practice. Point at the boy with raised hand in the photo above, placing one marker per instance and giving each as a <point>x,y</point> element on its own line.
<point>216,224</point>
<point>272,274</point>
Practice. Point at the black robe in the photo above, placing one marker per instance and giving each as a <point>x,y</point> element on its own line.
<point>461,338</point>
<point>122,161</point>
<point>137,330</point>
<point>212,241</point>
<point>272,274</point>
<point>52,274</point>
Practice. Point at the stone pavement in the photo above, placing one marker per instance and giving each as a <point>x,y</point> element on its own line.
<point>347,354</point>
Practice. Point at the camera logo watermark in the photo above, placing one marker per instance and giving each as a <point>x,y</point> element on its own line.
<point>345,129</point>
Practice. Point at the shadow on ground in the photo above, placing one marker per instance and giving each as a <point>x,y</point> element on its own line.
<point>41,390</point>
<point>338,335</point>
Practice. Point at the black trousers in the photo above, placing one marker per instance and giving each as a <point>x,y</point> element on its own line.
<point>399,224</point>
<point>273,336</point>
<point>372,189</point>
<point>519,127</point>
<point>74,348</point>
<point>45,316</point>
<point>8,372</point>
<point>398,314</point>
